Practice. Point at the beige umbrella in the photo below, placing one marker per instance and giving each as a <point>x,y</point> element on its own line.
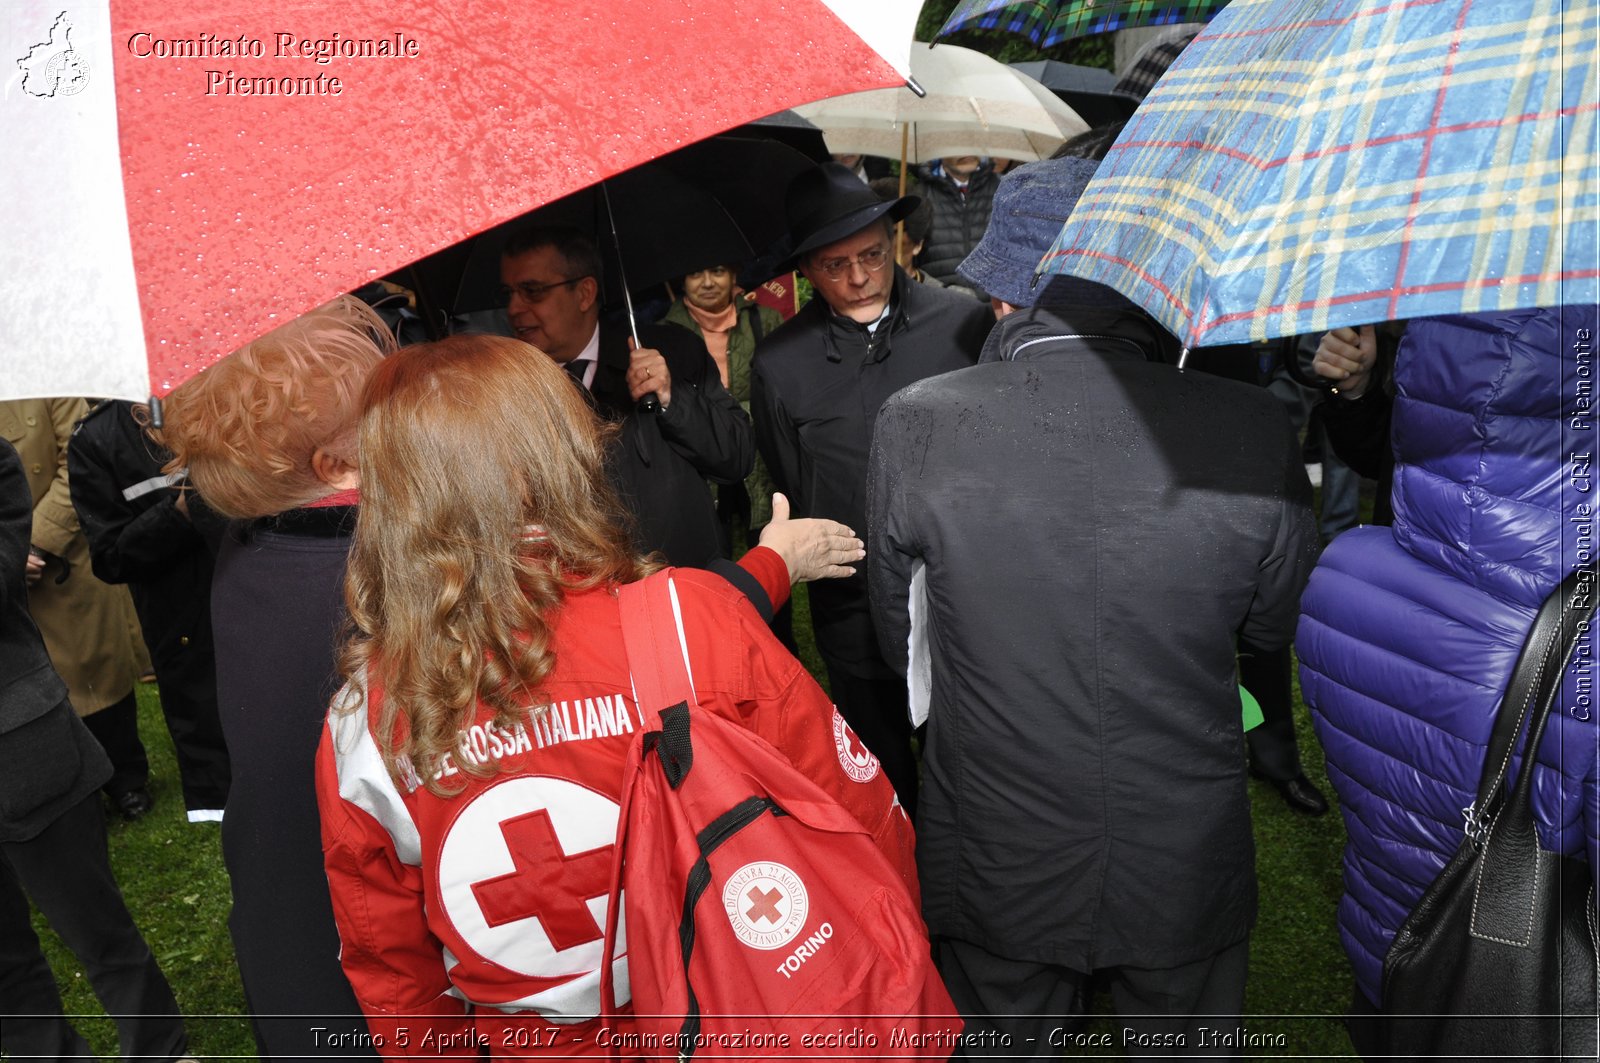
<point>974,105</point>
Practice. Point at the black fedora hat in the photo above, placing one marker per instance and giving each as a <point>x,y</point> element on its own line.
<point>829,203</point>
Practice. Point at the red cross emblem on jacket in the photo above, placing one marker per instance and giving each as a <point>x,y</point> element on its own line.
<point>549,883</point>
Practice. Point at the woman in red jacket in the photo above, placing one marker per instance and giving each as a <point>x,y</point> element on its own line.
<point>470,773</point>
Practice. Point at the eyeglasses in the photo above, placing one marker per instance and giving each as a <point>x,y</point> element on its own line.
<point>534,294</point>
<point>871,260</point>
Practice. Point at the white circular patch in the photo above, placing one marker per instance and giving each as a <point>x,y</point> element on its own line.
<point>766,903</point>
<point>854,757</point>
<point>524,875</point>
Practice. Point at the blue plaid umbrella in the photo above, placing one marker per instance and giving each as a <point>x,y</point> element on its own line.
<point>1307,164</point>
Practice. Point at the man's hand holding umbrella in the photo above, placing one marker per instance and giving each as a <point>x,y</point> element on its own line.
<point>648,374</point>
<point>1347,355</point>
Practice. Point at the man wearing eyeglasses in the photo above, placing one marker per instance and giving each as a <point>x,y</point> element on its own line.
<point>661,461</point>
<point>815,391</point>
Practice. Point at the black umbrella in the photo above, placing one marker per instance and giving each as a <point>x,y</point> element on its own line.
<point>1086,89</point>
<point>789,129</point>
<point>717,201</point>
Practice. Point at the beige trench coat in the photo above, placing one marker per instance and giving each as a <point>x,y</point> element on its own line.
<point>85,623</point>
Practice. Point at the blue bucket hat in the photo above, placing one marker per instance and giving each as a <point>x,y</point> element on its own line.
<point>1030,207</point>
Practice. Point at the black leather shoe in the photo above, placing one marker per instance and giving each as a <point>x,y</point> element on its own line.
<point>1300,794</point>
<point>132,804</point>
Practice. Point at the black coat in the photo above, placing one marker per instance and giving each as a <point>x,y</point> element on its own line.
<point>278,611</point>
<point>1359,432</point>
<point>142,541</point>
<point>51,760</point>
<point>815,392</point>
<point>166,560</point>
<point>958,222</point>
<point>1093,529</point>
<point>661,461</point>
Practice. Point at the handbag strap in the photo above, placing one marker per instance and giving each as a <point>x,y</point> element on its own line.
<point>1507,894</point>
<point>1531,689</point>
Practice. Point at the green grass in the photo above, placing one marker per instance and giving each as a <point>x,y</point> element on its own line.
<point>171,873</point>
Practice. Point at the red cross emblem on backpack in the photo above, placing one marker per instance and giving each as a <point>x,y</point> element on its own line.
<point>766,904</point>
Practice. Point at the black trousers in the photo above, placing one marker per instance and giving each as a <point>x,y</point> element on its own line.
<point>1266,674</point>
<point>174,610</point>
<point>66,870</point>
<point>878,711</point>
<point>1026,1008</point>
<point>189,704</point>
<point>116,728</point>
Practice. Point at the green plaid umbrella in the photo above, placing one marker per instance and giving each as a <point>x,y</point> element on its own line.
<point>1049,22</point>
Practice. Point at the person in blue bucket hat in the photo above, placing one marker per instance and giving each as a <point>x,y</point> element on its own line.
<point>1064,541</point>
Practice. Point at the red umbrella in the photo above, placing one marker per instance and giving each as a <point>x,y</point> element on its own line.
<point>182,177</point>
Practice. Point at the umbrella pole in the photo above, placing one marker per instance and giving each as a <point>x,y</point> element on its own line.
<point>433,317</point>
<point>649,403</point>
<point>622,274</point>
<point>905,140</point>
<point>900,226</point>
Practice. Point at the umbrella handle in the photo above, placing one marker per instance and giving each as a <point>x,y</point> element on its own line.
<point>647,403</point>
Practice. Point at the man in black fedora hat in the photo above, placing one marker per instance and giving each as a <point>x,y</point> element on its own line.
<point>817,384</point>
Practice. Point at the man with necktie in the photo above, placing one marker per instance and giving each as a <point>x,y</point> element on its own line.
<point>665,451</point>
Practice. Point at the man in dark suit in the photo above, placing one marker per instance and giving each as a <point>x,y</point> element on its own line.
<point>664,455</point>
<point>53,841</point>
<point>1064,541</point>
<point>815,389</point>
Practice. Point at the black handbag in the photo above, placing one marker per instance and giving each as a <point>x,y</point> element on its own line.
<point>1498,960</point>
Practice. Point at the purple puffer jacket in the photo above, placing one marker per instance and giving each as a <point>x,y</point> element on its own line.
<point>1408,635</point>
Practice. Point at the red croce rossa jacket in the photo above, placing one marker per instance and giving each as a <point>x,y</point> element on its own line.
<point>474,922</point>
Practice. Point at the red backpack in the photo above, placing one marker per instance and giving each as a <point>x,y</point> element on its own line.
<point>762,918</point>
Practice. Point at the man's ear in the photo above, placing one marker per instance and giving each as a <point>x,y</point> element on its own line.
<point>333,470</point>
<point>588,293</point>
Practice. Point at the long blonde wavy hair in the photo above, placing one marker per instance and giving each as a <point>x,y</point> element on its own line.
<point>484,501</point>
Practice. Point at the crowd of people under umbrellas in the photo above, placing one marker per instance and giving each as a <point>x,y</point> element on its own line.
<point>1043,558</point>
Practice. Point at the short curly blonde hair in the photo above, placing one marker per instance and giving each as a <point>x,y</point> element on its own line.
<point>246,428</point>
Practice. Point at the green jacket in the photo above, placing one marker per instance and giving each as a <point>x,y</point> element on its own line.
<point>755,322</point>
<point>741,341</point>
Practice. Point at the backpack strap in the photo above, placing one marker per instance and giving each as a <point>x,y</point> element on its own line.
<point>658,659</point>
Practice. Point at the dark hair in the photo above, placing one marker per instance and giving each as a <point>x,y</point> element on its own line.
<point>1091,143</point>
<point>575,248</point>
<point>920,221</point>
